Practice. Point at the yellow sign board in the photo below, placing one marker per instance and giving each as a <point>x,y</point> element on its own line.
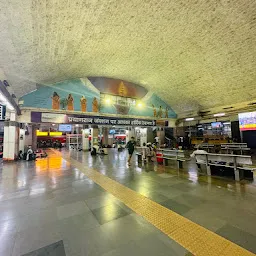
<point>38,133</point>
<point>55,133</point>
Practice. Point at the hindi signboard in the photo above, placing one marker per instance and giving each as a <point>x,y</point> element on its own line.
<point>90,120</point>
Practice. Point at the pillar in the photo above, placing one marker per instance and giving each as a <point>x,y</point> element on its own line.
<point>161,135</point>
<point>22,140</point>
<point>85,139</point>
<point>94,134</point>
<point>150,137</point>
<point>130,133</point>
<point>11,140</point>
<point>28,136</point>
<point>34,137</point>
<point>105,135</point>
<point>143,136</point>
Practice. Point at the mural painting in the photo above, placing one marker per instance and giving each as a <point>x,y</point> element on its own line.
<point>160,112</point>
<point>83,102</point>
<point>166,112</point>
<point>55,101</point>
<point>98,95</point>
<point>70,103</point>
<point>154,110</point>
<point>118,87</point>
<point>95,105</point>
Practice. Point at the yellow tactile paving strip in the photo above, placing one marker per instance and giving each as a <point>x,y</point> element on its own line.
<point>193,237</point>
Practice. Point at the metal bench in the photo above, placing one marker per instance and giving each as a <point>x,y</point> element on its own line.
<point>238,163</point>
<point>172,155</point>
<point>207,147</point>
<point>235,147</point>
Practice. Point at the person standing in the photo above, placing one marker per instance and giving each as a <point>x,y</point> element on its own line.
<point>157,141</point>
<point>130,146</point>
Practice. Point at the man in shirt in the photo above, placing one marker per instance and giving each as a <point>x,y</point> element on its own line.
<point>130,146</point>
<point>199,159</point>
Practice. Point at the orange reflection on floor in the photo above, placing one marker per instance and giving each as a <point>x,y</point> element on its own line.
<point>56,164</point>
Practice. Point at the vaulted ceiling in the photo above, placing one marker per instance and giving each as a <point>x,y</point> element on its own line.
<point>194,54</point>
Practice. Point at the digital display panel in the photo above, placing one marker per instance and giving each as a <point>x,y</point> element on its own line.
<point>112,131</point>
<point>216,125</point>
<point>247,121</point>
<point>65,127</point>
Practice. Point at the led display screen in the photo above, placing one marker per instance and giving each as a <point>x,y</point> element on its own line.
<point>247,121</point>
<point>216,125</point>
<point>65,127</point>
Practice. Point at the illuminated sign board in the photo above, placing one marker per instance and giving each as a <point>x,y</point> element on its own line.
<point>247,121</point>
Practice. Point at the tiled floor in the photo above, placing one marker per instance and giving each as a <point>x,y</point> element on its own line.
<point>48,201</point>
<point>50,250</point>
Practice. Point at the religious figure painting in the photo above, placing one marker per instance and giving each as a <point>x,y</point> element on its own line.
<point>160,112</point>
<point>154,110</point>
<point>83,103</point>
<point>166,112</point>
<point>70,102</point>
<point>95,105</point>
<point>55,101</point>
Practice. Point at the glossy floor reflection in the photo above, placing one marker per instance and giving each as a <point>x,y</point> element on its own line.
<point>47,201</point>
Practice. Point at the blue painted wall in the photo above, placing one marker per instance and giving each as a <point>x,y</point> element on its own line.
<point>41,98</point>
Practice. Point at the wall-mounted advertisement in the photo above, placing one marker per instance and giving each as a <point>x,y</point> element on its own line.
<point>247,121</point>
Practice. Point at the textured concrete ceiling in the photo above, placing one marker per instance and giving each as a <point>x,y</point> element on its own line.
<point>194,54</point>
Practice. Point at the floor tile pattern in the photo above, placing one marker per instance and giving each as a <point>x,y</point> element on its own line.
<point>195,238</point>
<point>50,200</point>
<point>56,249</point>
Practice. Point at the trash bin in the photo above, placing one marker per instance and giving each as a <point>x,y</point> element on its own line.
<point>159,158</point>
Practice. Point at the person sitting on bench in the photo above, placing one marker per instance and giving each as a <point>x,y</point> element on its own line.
<point>20,156</point>
<point>30,154</point>
<point>198,150</point>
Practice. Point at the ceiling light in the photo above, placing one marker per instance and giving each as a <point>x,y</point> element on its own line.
<point>219,114</point>
<point>108,101</point>
<point>190,119</point>
<point>140,104</point>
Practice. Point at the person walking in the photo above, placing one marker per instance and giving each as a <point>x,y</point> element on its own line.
<point>130,146</point>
